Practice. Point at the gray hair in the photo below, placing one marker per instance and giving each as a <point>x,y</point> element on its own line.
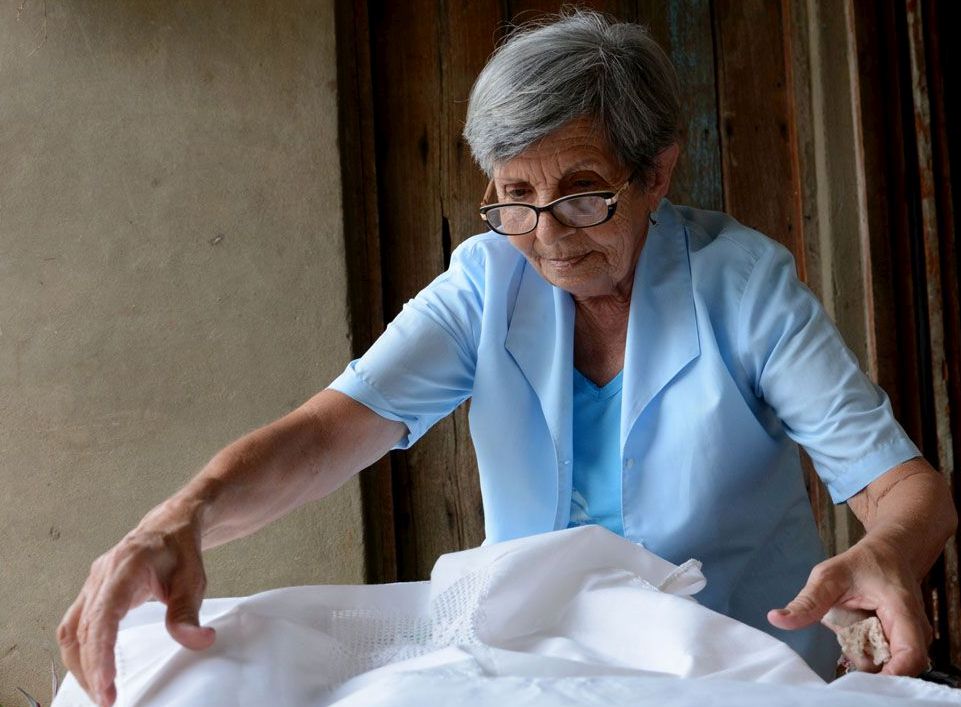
<point>580,64</point>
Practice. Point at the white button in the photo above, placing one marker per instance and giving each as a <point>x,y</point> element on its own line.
<point>566,462</point>
<point>629,463</point>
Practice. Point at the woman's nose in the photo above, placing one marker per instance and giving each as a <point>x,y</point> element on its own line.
<point>549,230</point>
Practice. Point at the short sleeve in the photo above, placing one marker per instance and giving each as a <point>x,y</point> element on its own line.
<point>801,368</point>
<point>422,366</point>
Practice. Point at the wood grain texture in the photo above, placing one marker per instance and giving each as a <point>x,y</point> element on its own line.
<point>409,132</point>
<point>467,40</point>
<point>426,58</point>
<point>941,84</point>
<point>684,31</point>
<point>932,216</point>
<point>885,169</point>
<point>801,37</point>
<point>900,158</point>
<point>758,152</point>
<point>362,251</point>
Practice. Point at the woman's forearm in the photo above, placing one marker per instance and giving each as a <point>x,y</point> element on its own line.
<point>269,472</point>
<point>908,511</point>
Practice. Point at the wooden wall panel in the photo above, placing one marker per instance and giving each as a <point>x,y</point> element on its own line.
<point>362,246</point>
<point>915,277</point>
<point>758,150</point>
<point>945,140</point>
<point>935,214</point>
<point>408,130</point>
<point>436,497</point>
<point>894,306</point>
<point>467,42</point>
<point>684,30</point>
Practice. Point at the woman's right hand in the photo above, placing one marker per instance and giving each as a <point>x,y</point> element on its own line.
<point>160,559</point>
<point>260,477</point>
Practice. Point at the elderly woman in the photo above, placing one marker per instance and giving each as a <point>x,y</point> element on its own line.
<point>647,367</point>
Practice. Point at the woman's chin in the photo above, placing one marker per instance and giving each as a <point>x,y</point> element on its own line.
<point>587,276</point>
<point>580,285</point>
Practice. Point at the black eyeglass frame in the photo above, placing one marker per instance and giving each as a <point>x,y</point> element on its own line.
<point>610,198</point>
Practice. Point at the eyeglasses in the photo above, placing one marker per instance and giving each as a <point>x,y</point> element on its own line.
<point>575,210</point>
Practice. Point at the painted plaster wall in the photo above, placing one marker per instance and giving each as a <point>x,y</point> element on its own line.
<point>171,276</point>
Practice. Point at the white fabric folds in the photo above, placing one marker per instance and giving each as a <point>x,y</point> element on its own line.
<point>573,617</point>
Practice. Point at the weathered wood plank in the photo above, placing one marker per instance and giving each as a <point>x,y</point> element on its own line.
<point>885,171</point>
<point>893,163</point>
<point>684,31</point>
<point>407,98</point>
<point>467,40</point>
<point>467,43</point>
<point>950,597</point>
<point>929,232</point>
<point>758,152</point>
<point>362,250</point>
<point>801,36</point>
<point>938,15</point>
<point>802,39</point>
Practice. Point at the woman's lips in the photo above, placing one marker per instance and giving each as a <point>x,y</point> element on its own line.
<point>565,262</point>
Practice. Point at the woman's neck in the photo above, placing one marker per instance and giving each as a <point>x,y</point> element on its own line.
<point>600,335</point>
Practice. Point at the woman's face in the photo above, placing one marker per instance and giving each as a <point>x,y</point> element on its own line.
<point>587,262</point>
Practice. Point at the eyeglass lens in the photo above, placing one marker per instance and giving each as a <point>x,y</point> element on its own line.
<point>579,212</point>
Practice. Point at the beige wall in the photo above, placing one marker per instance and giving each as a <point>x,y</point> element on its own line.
<point>171,276</point>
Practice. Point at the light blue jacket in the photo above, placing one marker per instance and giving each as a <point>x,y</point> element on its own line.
<point>730,363</point>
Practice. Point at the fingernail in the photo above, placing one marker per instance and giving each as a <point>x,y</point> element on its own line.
<point>782,612</point>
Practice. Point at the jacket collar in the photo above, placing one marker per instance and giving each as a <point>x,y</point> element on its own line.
<point>541,340</point>
<point>662,336</point>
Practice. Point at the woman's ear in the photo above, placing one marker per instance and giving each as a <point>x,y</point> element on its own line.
<point>664,165</point>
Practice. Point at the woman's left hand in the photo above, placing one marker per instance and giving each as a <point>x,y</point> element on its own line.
<point>874,577</point>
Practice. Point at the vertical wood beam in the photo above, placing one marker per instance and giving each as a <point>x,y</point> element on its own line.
<point>938,15</point>
<point>684,31</point>
<point>758,149</point>
<point>807,65</point>
<point>362,251</point>
<point>886,182</point>
<point>899,161</point>
<point>950,596</point>
<point>407,97</point>
<point>467,40</point>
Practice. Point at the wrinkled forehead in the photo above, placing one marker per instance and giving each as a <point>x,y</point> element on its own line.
<point>576,146</point>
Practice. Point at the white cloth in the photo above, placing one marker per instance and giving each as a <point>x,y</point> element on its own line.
<point>573,617</point>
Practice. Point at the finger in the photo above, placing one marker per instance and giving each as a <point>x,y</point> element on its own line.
<point>104,613</point>
<point>185,596</point>
<point>905,629</point>
<point>68,641</point>
<point>822,591</point>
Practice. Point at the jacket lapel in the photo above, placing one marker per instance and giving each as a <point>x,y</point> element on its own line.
<point>541,340</point>
<point>662,336</point>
